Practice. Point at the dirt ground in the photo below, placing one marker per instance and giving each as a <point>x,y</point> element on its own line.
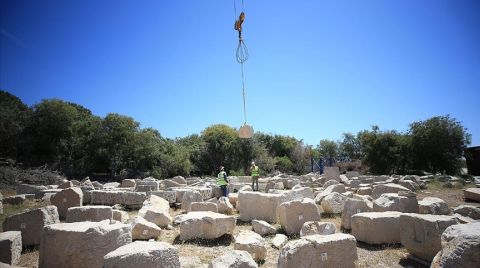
<point>200,253</point>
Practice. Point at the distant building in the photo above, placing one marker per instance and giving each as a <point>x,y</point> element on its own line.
<point>472,156</point>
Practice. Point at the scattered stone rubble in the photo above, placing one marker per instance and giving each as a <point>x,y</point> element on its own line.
<point>377,209</point>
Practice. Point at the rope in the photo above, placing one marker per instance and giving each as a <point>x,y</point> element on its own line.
<point>242,57</point>
<point>243,91</point>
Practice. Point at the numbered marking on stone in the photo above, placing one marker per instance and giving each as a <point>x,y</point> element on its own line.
<point>358,210</point>
<point>300,217</point>
<point>64,200</point>
<point>324,256</point>
<point>145,232</point>
<point>327,227</point>
<point>23,225</point>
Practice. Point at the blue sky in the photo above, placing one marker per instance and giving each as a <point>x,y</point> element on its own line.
<point>316,69</point>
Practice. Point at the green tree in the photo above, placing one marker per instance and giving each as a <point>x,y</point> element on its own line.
<point>118,133</point>
<point>438,144</point>
<point>283,164</point>
<point>13,120</point>
<point>283,145</point>
<point>328,149</point>
<point>50,133</point>
<point>221,145</point>
<point>382,150</point>
<point>196,148</point>
<point>349,148</point>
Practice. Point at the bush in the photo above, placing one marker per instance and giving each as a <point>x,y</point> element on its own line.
<point>283,164</point>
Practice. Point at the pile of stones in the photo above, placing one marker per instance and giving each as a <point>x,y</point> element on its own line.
<point>86,223</point>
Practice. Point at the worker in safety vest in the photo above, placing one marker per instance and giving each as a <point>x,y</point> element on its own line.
<point>255,172</point>
<point>222,181</point>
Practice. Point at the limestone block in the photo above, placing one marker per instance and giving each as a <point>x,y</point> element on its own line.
<point>380,189</point>
<point>224,206</point>
<point>205,192</point>
<point>170,196</point>
<point>421,234</point>
<point>460,247</point>
<point>31,189</point>
<point>331,173</point>
<point>335,250</point>
<point>335,188</point>
<point>330,182</point>
<point>144,230</point>
<point>317,228</point>
<point>472,194</point>
<point>89,213</point>
<point>353,206</point>
<point>468,211</point>
<point>143,254</point>
<point>179,179</point>
<point>292,215</point>
<point>263,227</point>
<point>120,215</point>
<point>10,247</point>
<point>252,243</point>
<point>279,241</point>
<point>249,208</point>
<point>377,228</point>
<point>203,206</point>
<point>396,202</point>
<point>234,259</point>
<point>364,191</point>
<point>67,198</point>
<point>189,197</point>
<point>433,205</point>
<point>65,185</point>
<point>14,199</point>
<point>205,225</point>
<point>128,183</point>
<point>81,244</point>
<point>333,203</point>
<point>31,223</point>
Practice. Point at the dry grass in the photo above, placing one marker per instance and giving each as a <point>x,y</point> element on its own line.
<point>453,196</point>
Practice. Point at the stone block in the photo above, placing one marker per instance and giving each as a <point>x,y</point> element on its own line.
<point>143,254</point>
<point>396,202</point>
<point>421,234</point>
<point>67,198</point>
<point>252,243</point>
<point>353,206</point>
<point>81,244</point>
<point>472,194</point>
<point>317,228</point>
<point>234,259</point>
<point>205,225</point>
<point>320,251</point>
<point>249,208</point>
<point>377,228</point>
<point>292,215</point>
<point>203,206</point>
<point>10,247</point>
<point>89,213</point>
<point>31,223</point>
<point>433,205</point>
<point>460,247</point>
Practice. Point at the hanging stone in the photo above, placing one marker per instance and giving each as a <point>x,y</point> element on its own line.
<point>245,132</point>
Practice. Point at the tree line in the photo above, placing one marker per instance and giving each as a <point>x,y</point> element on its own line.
<point>67,137</point>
